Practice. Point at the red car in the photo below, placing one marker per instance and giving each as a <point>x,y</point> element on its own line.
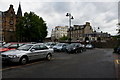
<point>10,46</point>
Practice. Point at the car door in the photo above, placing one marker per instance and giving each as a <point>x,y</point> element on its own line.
<point>64,47</point>
<point>35,50</point>
<point>43,51</point>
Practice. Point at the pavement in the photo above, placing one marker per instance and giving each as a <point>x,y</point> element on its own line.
<point>94,63</point>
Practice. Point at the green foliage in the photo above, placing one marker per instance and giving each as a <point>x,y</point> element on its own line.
<point>31,27</point>
<point>118,29</point>
<point>64,38</point>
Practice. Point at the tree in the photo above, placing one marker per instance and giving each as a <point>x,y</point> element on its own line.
<point>31,27</point>
<point>64,38</point>
<point>99,39</point>
<point>118,29</point>
<point>118,34</point>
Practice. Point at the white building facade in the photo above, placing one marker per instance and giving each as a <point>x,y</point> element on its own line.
<point>59,32</point>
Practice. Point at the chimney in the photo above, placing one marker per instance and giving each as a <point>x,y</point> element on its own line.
<point>87,23</point>
<point>11,6</point>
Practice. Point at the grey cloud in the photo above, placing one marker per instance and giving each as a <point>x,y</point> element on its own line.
<point>100,14</point>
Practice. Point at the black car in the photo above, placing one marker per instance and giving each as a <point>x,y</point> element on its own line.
<point>74,48</point>
<point>116,49</point>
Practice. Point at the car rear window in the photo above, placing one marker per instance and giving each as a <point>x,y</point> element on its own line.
<point>6,45</point>
<point>25,47</point>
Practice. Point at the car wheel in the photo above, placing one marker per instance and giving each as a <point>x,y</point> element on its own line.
<point>76,51</point>
<point>49,57</point>
<point>81,51</point>
<point>23,60</point>
<point>118,52</point>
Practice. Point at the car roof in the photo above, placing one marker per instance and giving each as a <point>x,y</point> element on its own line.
<point>35,44</point>
<point>17,42</point>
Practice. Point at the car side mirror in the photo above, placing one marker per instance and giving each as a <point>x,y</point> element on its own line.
<point>32,50</point>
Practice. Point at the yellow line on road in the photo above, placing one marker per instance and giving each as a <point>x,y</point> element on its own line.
<point>117,61</point>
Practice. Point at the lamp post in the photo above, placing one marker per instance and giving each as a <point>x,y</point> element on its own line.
<point>70,18</point>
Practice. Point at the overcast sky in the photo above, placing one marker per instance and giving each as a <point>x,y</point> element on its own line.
<point>98,13</point>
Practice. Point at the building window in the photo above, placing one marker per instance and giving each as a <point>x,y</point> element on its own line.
<point>11,22</point>
<point>11,15</point>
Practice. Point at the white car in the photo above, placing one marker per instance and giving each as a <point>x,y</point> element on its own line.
<point>89,46</point>
<point>50,44</point>
<point>28,52</point>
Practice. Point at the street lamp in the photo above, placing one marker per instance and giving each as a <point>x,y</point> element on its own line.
<point>70,18</point>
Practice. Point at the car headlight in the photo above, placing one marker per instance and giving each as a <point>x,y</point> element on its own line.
<point>12,56</point>
<point>74,48</point>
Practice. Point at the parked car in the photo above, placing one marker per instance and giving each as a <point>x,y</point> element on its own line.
<point>83,47</point>
<point>2,43</point>
<point>89,46</point>
<point>60,46</point>
<point>116,49</point>
<point>27,52</point>
<point>10,46</point>
<point>74,48</point>
<point>50,44</point>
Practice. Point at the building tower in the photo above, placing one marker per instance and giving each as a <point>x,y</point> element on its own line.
<point>19,12</point>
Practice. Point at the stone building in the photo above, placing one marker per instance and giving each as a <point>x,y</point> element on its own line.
<point>77,31</point>
<point>0,25</point>
<point>9,19</point>
<point>97,36</point>
<point>85,32</point>
<point>59,32</point>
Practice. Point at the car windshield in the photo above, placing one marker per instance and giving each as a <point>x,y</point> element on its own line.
<point>73,44</point>
<point>0,44</point>
<point>59,44</point>
<point>6,45</point>
<point>48,44</point>
<point>25,47</point>
<point>88,45</point>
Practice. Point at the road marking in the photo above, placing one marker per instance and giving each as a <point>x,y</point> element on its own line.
<point>117,61</point>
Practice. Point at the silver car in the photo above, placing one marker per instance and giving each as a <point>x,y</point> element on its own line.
<point>60,46</point>
<point>28,52</point>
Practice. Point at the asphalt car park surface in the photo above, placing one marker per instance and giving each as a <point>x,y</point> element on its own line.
<point>93,63</point>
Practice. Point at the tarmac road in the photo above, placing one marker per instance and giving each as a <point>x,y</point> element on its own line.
<point>94,63</point>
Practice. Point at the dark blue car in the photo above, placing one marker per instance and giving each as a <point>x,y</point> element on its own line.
<point>118,50</point>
